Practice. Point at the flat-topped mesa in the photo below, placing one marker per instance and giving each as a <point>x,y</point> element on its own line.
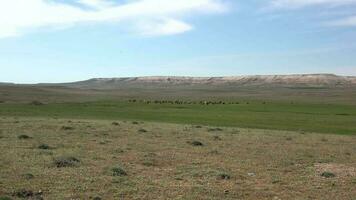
<point>330,80</point>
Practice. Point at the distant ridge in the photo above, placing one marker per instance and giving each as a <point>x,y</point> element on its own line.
<point>298,80</point>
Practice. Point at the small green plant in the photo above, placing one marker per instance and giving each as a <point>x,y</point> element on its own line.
<point>67,128</point>
<point>28,176</point>
<point>196,143</point>
<point>328,175</point>
<point>118,171</point>
<point>216,137</point>
<point>23,137</point>
<point>224,176</point>
<point>142,130</point>
<point>66,162</point>
<point>215,129</point>
<point>36,103</point>
<point>44,146</point>
<point>23,193</point>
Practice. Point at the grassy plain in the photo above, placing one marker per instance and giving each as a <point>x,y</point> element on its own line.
<point>94,144</point>
<point>166,161</point>
<point>311,117</point>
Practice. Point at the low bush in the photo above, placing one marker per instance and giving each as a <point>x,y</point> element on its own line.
<point>118,171</point>
<point>66,162</point>
<point>23,137</point>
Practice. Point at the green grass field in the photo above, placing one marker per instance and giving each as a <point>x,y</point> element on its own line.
<point>310,117</point>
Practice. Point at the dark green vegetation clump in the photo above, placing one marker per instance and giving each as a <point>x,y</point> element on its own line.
<point>118,171</point>
<point>28,176</point>
<point>36,103</point>
<point>24,137</point>
<point>142,130</point>
<point>224,176</point>
<point>196,143</point>
<point>28,194</point>
<point>328,175</point>
<point>67,128</point>
<point>44,146</point>
<point>66,162</point>
<point>215,129</point>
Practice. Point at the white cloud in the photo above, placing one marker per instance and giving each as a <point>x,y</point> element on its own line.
<point>348,21</point>
<point>95,3</point>
<point>153,17</point>
<point>162,27</point>
<point>302,3</point>
<point>333,6</point>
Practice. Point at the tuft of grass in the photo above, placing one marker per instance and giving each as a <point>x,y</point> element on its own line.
<point>28,176</point>
<point>23,137</point>
<point>215,129</point>
<point>118,171</point>
<point>67,128</point>
<point>223,176</point>
<point>23,193</point>
<point>36,103</point>
<point>66,162</point>
<point>196,143</point>
<point>328,175</point>
<point>142,130</point>
<point>217,138</point>
<point>44,146</point>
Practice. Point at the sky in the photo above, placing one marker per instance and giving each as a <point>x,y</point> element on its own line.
<point>71,40</point>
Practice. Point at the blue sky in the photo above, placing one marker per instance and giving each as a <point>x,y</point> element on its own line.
<point>70,40</point>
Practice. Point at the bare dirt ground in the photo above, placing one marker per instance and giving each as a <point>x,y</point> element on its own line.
<point>82,159</point>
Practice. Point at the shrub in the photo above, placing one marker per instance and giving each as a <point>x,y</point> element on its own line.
<point>118,171</point>
<point>66,162</point>
<point>66,128</point>
<point>215,129</point>
<point>23,137</point>
<point>23,193</point>
<point>142,130</point>
<point>36,103</point>
<point>196,143</point>
<point>328,174</point>
<point>217,138</point>
<point>28,176</point>
<point>44,146</point>
<point>224,176</point>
